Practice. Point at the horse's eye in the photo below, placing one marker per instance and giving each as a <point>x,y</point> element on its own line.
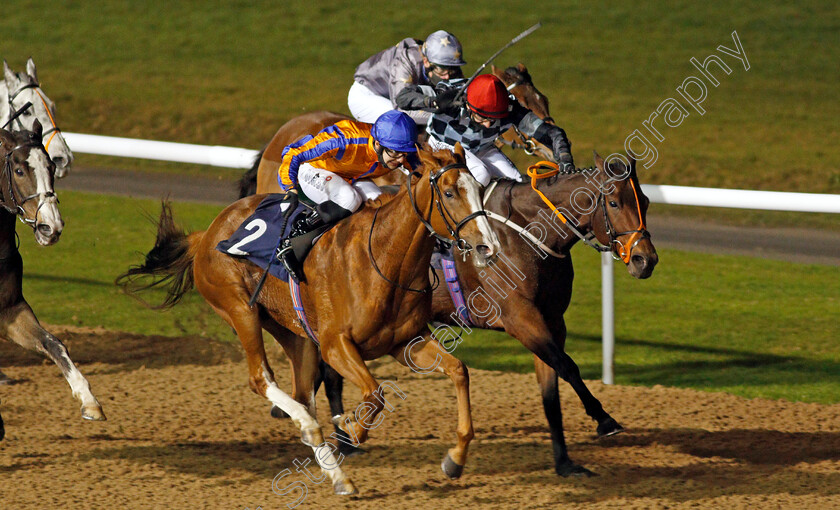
<point>613,204</point>
<point>18,171</point>
<point>448,194</point>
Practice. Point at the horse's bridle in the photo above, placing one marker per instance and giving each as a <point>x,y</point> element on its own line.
<point>16,206</point>
<point>454,231</point>
<point>623,251</point>
<point>15,116</point>
<point>448,218</point>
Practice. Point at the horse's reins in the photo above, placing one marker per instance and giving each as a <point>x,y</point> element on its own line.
<point>635,235</point>
<point>454,231</point>
<point>35,85</point>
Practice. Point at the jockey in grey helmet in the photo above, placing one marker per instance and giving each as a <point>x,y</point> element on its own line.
<point>379,79</point>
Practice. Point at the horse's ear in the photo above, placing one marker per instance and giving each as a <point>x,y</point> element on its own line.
<point>632,166</point>
<point>522,68</point>
<point>6,140</point>
<point>30,69</point>
<point>599,161</point>
<point>458,150</point>
<point>11,78</point>
<point>496,71</point>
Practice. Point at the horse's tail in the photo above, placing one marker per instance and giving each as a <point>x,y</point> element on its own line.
<point>248,181</point>
<point>169,263</point>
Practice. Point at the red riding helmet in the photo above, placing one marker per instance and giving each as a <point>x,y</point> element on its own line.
<point>488,97</point>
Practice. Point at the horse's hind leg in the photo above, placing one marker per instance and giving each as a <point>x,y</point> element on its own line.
<point>246,322</point>
<point>23,328</point>
<point>427,356</point>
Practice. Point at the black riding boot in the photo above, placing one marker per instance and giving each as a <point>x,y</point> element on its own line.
<point>323,214</point>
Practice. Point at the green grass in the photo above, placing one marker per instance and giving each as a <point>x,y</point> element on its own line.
<point>752,327</point>
<point>230,73</point>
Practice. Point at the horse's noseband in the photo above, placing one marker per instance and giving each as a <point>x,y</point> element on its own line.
<point>460,242</point>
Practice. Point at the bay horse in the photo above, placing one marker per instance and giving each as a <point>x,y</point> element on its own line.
<point>26,191</point>
<point>363,304</point>
<point>532,289</point>
<point>20,89</point>
<point>262,176</point>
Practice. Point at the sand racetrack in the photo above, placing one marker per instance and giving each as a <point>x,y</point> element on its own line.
<point>184,431</point>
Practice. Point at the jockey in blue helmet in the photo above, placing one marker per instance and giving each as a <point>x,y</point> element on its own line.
<point>334,168</point>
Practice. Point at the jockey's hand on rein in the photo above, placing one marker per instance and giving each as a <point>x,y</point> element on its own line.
<point>444,101</point>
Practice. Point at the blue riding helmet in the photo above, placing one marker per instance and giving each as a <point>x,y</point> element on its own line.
<point>396,131</point>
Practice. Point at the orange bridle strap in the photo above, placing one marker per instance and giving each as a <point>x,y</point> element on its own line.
<point>55,129</point>
<point>625,256</point>
<point>535,176</point>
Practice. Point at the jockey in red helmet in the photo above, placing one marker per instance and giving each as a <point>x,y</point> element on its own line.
<point>487,112</point>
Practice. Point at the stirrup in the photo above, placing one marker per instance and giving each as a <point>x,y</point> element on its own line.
<point>285,255</point>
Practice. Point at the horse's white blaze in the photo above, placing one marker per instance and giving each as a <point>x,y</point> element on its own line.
<point>47,206</point>
<point>469,185</point>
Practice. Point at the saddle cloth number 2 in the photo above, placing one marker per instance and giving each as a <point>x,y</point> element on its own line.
<point>259,226</point>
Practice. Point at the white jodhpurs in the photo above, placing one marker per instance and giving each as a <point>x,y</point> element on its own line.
<point>366,106</point>
<point>322,186</point>
<point>485,164</point>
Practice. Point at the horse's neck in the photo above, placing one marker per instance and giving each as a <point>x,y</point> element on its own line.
<point>8,245</point>
<point>407,236</point>
<point>525,207</point>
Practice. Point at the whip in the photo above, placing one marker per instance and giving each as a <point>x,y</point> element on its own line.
<point>513,41</point>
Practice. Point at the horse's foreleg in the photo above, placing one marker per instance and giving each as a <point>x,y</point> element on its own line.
<point>344,357</point>
<point>248,328</point>
<point>429,355</point>
<point>568,370</point>
<point>24,329</point>
<point>547,378</point>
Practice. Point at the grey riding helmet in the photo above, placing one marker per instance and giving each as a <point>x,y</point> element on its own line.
<point>443,49</point>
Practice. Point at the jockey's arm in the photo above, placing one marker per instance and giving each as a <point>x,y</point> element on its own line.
<point>545,133</point>
<point>323,146</point>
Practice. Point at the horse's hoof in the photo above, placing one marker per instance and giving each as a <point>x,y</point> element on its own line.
<point>276,412</point>
<point>312,437</point>
<point>93,413</point>
<point>569,468</point>
<point>609,427</point>
<point>450,468</point>
<point>350,450</point>
<point>344,488</point>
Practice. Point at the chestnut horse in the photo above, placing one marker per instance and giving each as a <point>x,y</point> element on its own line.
<point>371,297</point>
<point>262,176</point>
<point>26,191</point>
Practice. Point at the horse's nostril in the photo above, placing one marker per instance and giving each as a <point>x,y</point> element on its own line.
<point>45,229</point>
<point>484,250</point>
<point>59,161</point>
<point>639,260</point>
